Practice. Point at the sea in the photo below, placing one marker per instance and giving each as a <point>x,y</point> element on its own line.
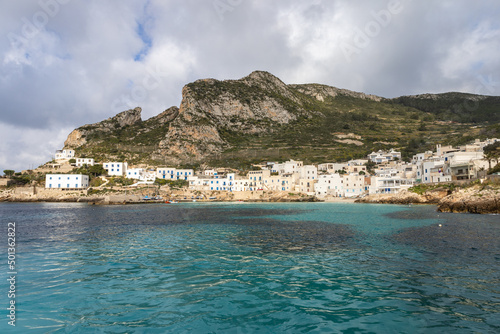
<point>248,268</point>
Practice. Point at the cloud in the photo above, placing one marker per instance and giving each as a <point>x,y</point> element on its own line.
<point>67,63</point>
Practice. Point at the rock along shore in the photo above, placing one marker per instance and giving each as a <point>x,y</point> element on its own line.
<point>136,196</point>
<point>483,199</point>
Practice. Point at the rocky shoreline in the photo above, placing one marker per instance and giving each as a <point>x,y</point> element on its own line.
<point>481,199</point>
<point>136,196</point>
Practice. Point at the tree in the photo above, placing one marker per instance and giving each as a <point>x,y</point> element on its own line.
<point>72,161</point>
<point>9,172</point>
<point>97,170</point>
<point>491,152</point>
<point>370,165</point>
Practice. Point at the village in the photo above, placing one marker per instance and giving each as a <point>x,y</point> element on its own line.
<point>382,172</point>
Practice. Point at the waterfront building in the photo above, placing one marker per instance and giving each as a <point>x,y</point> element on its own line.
<point>169,173</point>
<point>389,185</point>
<point>329,185</point>
<point>66,181</point>
<point>354,185</point>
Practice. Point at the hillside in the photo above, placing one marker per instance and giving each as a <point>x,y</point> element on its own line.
<point>235,122</point>
<point>458,107</point>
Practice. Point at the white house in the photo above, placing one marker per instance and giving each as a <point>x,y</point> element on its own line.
<point>226,183</point>
<point>64,154</point>
<point>141,174</point>
<point>309,172</point>
<point>273,182</point>
<point>80,162</point>
<point>115,168</point>
<point>289,181</point>
<point>465,165</point>
<point>256,178</point>
<point>389,185</point>
<point>66,181</point>
<point>430,170</point>
<point>287,167</point>
<point>354,185</point>
<point>329,185</point>
<point>384,156</point>
<point>174,174</point>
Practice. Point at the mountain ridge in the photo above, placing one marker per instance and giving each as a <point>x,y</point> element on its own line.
<point>225,121</point>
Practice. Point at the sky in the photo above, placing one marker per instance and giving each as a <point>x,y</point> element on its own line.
<point>67,63</point>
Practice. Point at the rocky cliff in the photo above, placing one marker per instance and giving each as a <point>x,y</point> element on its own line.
<point>78,137</point>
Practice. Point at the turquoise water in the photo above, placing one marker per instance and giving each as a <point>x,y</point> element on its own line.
<point>252,268</point>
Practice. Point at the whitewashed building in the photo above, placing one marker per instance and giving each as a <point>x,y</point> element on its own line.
<point>308,172</point>
<point>354,185</point>
<point>329,185</point>
<point>115,168</point>
<point>80,162</point>
<point>273,182</point>
<point>389,185</point>
<point>64,154</point>
<point>226,183</point>
<point>170,173</point>
<point>66,181</point>
<point>289,181</point>
<point>306,186</point>
<point>141,174</point>
<point>256,178</point>
<point>384,156</point>
<point>287,167</point>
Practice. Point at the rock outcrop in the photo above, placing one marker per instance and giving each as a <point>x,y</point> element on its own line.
<point>210,107</point>
<point>321,92</point>
<point>472,200</point>
<point>407,197</point>
<point>78,137</point>
<point>477,199</point>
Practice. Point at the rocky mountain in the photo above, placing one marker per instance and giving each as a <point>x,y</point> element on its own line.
<point>234,122</point>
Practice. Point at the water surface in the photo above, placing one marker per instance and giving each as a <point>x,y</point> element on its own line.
<point>253,268</point>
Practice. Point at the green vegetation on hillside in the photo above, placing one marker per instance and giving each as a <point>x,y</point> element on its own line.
<point>456,107</point>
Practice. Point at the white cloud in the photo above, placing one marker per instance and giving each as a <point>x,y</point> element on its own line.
<point>24,148</point>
